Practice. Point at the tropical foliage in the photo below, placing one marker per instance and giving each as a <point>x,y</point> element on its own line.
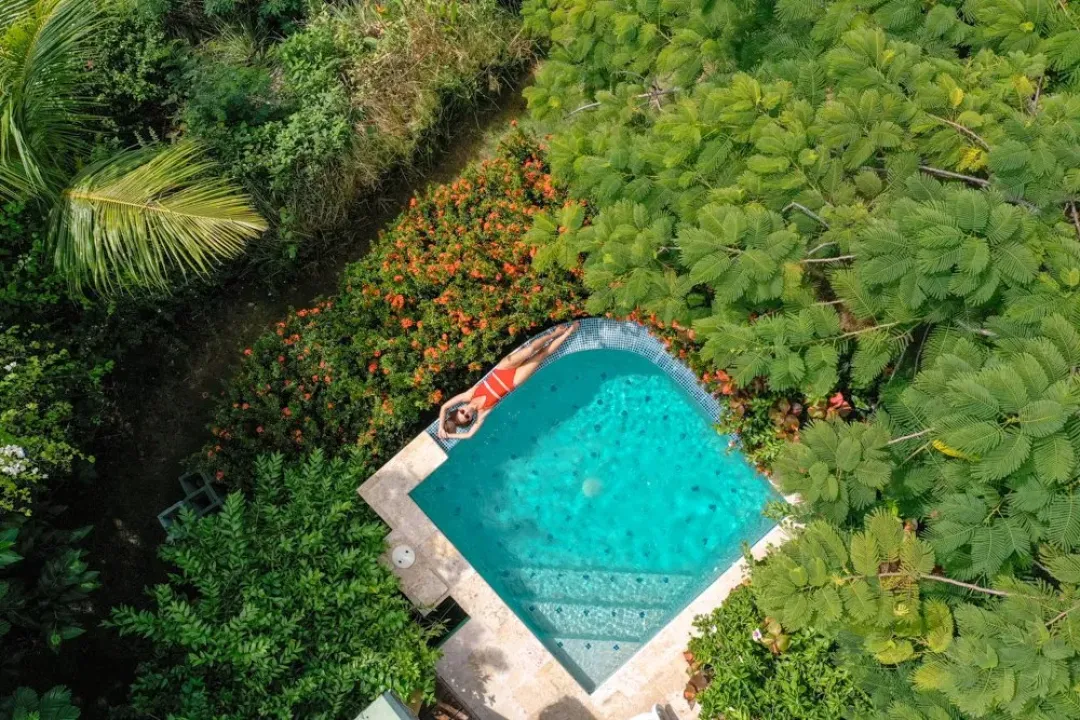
<point>755,670</point>
<point>306,104</point>
<point>131,220</point>
<point>874,203</point>
<point>442,296</point>
<point>38,422</point>
<point>140,141</point>
<point>24,704</point>
<point>279,606</point>
<point>49,401</point>
<point>806,234</point>
<point>45,582</point>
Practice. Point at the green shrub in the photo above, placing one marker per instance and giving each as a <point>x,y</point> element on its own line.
<point>227,92</point>
<point>24,704</point>
<point>315,120</point>
<point>39,427</point>
<point>279,607</point>
<point>28,285</point>
<point>444,294</point>
<point>748,681</point>
<point>282,14</point>
<point>134,69</point>
<point>45,583</point>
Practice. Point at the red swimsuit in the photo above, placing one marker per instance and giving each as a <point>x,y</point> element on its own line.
<point>495,386</point>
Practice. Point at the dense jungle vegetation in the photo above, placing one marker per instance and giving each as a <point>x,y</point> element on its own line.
<point>858,221</point>
<point>876,199</point>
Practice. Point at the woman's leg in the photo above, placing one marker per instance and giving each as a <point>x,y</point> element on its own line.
<point>530,352</point>
<point>526,369</point>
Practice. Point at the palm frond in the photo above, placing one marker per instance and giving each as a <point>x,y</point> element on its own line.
<point>44,110</point>
<point>12,10</point>
<point>138,218</point>
<point>13,184</point>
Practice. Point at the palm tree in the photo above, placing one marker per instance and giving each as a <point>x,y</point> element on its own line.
<point>133,220</point>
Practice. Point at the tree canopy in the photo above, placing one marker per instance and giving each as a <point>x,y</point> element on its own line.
<point>877,199</point>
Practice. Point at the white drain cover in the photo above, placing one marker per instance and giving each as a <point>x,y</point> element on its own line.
<point>403,556</point>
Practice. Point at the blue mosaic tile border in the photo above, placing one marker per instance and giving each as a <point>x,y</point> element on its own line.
<point>605,334</point>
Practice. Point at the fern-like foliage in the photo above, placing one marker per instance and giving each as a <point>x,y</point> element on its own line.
<point>952,250</point>
<point>888,204</point>
<point>795,351</point>
<point>876,171</point>
<point>1005,430</point>
<point>800,350</point>
<point>838,468</point>
<point>880,583</point>
<point>743,254</point>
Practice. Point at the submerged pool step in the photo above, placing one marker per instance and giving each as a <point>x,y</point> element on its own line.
<point>592,658</point>
<point>601,622</point>
<point>598,586</point>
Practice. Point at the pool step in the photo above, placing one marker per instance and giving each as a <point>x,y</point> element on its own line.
<point>592,657</point>
<point>602,623</point>
<point>598,586</point>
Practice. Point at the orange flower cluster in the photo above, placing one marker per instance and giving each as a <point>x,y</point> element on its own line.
<point>443,293</point>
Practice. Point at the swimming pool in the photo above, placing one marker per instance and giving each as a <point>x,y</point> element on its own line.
<point>597,501</point>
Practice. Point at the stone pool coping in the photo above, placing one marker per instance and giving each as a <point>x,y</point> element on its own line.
<point>494,663</point>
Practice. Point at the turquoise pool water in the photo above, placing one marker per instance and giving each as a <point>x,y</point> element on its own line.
<point>597,501</point>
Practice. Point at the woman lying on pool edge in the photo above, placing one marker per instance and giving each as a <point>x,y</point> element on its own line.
<point>474,404</point>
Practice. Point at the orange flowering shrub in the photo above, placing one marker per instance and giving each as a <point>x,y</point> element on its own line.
<point>441,296</point>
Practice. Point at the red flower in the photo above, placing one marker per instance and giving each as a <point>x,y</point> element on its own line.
<point>259,430</point>
<point>220,474</point>
<point>247,351</point>
<point>286,412</point>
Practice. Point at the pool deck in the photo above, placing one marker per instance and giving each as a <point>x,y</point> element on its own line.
<point>494,664</point>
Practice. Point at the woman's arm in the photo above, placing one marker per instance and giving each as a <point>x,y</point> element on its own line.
<point>480,417</point>
<point>459,398</point>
